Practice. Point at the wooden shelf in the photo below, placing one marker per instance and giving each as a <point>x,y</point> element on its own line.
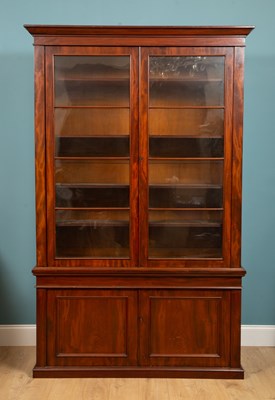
<point>160,196</point>
<point>96,223</point>
<point>92,93</point>
<point>92,253</point>
<point>91,107</point>
<point>119,100</point>
<point>94,72</point>
<point>186,93</point>
<point>185,224</point>
<point>185,235</point>
<point>115,223</point>
<point>193,146</point>
<point>187,186</point>
<point>91,186</point>
<point>91,80</point>
<point>93,195</point>
<point>81,238</point>
<point>184,80</point>
<point>92,146</point>
<point>192,253</point>
<point>185,146</point>
<point>185,196</point>
<point>92,84</point>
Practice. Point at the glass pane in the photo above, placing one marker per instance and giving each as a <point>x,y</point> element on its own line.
<point>186,122</point>
<point>185,184</point>
<point>197,172</point>
<point>184,146</point>
<point>186,134</point>
<point>92,121</point>
<point>92,149</point>
<point>184,234</point>
<point>92,80</point>
<point>92,171</point>
<point>185,81</point>
<point>97,146</point>
<point>79,195</point>
<point>92,183</point>
<point>92,234</point>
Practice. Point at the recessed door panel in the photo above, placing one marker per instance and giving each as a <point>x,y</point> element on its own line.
<point>184,327</point>
<point>92,327</point>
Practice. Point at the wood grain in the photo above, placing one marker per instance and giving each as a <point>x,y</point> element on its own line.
<point>138,316</point>
<point>237,143</point>
<point>104,331</point>
<point>40,154</point>
<point>140,31</point>
<point>165,318</point>
<point>139,36</point>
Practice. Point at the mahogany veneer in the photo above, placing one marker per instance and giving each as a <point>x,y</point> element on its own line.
<point>138,200</point>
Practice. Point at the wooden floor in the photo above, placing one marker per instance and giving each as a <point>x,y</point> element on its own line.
<point>16,382</point>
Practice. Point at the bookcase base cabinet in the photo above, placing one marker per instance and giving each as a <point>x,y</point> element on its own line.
<point>189,330</point>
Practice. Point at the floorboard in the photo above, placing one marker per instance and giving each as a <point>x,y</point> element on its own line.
<point>16,382</point>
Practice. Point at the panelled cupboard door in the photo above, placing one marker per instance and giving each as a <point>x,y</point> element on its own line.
<point>174,328</point>
<point>92,327</point>
<point>92,156</point>
<point>185,327</point>
<point>186,146</point>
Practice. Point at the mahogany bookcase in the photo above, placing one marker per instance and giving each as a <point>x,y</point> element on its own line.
<point>138,136</point>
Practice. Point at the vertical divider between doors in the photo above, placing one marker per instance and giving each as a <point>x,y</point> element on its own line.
<point>134,157</point>
<point>143,154</point>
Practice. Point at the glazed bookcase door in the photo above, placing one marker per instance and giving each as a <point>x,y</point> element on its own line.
<point>92,156</point>
<point>185,150</point>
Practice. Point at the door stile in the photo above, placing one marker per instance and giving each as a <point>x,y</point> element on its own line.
<point>143,155</point>
<point>134,157</point>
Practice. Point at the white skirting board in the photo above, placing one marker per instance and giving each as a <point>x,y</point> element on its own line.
<point>258,335</point>
<point>17,335</point>
<point>25,335</point>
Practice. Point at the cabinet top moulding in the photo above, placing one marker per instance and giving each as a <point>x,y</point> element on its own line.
<point>139,35</point>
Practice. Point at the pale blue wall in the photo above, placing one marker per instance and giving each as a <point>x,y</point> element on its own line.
<point>17,223</point>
